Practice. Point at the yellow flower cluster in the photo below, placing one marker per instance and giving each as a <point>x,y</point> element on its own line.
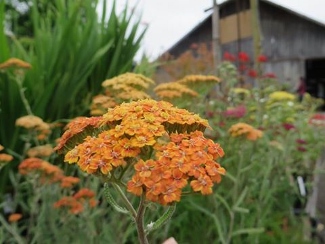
<point>199,79</point>
<point>35,123</point>
<point>15,62</point>
<point>101,103</point>
<point>173,90</point>
<point>281,96</point>
<point>243,129</point>
<point>164,146</point>
<point>40,151</point>
<point>239,90</point>
<point>129,80</point>
<point>125,87</point>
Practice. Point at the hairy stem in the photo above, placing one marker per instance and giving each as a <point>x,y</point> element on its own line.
<point>140,222</point>
<point>126,201</point>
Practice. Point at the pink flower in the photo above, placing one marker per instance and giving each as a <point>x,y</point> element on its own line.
<point>237,112</point>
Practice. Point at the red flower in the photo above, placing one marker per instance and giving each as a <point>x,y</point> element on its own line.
<point>262,59</point>
<point>301,141</point>
<point>252,73</point>
<point>288,126</point>
<point>229,57</point>
<point>269,75</point>
<point>242,67</point>
<point>302,149</point>
<point>243,57</point>
<point>209,114</point>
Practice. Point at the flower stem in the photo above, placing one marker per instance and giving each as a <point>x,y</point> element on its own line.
<point>140,222</point>
<point>19,81</point>
<point>126,201</point>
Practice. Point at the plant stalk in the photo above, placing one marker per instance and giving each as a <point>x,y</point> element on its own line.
<point>140,222</point>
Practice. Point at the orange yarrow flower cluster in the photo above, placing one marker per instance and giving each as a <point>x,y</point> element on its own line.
<point>173,90</point>
<point>40,151</point>
<point>4,157</point>
<point>164,144</point>
<point>186,158</point>
<point>128,86</point>
<point>76,203</point>
<point>15,62</point>
<point>101,103</point>
<point>31,122</point>
<point>48,172</point>
<point>69,181</point>
<point>14,217</point>
<point>248,131</point>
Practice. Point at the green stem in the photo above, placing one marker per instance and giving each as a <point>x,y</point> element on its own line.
<point>24,99</point>
<point>12,230</point>
<point>19,81</point>
<point>140,221</point>
<point>162,220</point>
<point>112,201</point>
<point>126,201</point>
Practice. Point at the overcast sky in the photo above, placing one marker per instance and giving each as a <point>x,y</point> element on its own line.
<point>170,20</point>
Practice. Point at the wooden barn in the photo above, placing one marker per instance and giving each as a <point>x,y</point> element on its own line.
<point>293,43</point>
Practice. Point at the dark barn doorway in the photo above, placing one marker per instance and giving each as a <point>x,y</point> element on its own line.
<point>315,78</point>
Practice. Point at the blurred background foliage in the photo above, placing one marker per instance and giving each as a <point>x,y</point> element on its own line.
<point>72,51</point>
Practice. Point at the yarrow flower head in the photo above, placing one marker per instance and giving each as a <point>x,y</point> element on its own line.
<point>15,62</point>
<point>281,96</point>
<point>40,151</point>
<point>14,217</point>
<point>47,172</point>
<point>173,90</point>
<point>245,130</point>
<point>34,123</point>
<point>163,146</point>
<point>4,157</point>
<point>76,203</point>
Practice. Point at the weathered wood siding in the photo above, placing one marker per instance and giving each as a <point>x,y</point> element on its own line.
<point>288,40</point>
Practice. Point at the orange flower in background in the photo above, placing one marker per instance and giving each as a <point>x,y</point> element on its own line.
<point>164,146</point>
<point>69,181</point>
<point>84,193</point>
<point>40,151</point>
<point>15,62</point>
<point>70,203</point>
<point>47,172</point>
<point>78,202</point>
<point>5,158</point>
<point>32,122</point>
<point>242,129</point>
<point>14,217</point>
